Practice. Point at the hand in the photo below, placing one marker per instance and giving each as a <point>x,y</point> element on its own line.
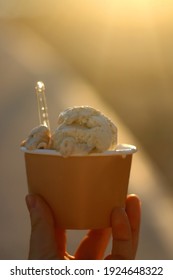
<point>48,242</point>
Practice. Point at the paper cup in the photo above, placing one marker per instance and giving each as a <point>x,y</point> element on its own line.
<point>81,190</point>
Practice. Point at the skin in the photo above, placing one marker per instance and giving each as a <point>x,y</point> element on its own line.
<point>48,243</point>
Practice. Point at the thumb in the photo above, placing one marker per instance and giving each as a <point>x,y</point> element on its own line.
<point>42,240</point>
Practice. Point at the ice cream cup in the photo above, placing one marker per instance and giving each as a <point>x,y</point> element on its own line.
<point>81,190</point>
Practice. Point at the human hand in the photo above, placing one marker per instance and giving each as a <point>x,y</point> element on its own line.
<point>49,242</point>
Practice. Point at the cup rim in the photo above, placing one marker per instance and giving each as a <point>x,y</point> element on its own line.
<point>121,149</point>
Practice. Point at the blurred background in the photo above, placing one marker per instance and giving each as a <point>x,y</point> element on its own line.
<point>116,56</point>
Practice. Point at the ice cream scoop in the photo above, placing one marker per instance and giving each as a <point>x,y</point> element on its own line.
<point>83,130</point>
<point>39,138</point>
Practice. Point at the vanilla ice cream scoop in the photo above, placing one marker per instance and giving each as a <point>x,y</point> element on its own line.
<point>39,138</point>
<point>83,130</point>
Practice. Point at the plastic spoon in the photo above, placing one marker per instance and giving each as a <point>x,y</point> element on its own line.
<point>42,105</point>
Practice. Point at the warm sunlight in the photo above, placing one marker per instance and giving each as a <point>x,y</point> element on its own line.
<point>114,55</point>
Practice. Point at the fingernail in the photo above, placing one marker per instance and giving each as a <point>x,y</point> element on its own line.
<point>30,201</point>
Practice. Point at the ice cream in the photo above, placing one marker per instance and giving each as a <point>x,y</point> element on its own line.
<point>39,138</point>
<point>80,130</point>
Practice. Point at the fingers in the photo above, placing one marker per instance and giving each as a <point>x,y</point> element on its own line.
<point>125,229</point>
<point>43,243</point>
<point>93,245</point>
<point>47,242</point>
